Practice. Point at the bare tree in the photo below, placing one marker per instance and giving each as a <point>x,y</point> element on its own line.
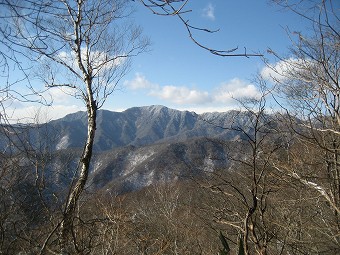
<point>165,221</point>
<point>308,90</point>
<point>84,48</point>
<point>245,192</point>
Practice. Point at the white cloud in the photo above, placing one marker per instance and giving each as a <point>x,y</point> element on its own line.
<point>39,113</point>
<point>170,93</point>
<point>274,72</point>
<point>55,103</point>
<point>182,95</point>
<point>59,95</point>
<point>283,69</point>
<point>235,89</point>
<point>100,61</point>
<point>140,82</point>
<point>209,12</point>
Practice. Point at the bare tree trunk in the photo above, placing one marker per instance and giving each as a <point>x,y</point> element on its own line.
<point>84,165</point>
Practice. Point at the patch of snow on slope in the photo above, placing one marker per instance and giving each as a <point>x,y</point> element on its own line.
<point>63,142</point>
<point>208,164</point>
<point>136,159</point>
<point>140,180</point>
<point>97,165</point>
<point>148,178</point>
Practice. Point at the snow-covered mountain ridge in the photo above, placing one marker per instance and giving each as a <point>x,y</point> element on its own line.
<point>141,126</point>
<point>137,147</point>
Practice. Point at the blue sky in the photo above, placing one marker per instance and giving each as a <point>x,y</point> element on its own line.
<point>178,74</point>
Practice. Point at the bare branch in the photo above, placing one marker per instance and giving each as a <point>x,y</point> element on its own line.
<point>168,8</point>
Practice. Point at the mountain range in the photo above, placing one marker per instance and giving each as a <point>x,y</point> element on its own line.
<point>139,146</point>
<point>140,126</point>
